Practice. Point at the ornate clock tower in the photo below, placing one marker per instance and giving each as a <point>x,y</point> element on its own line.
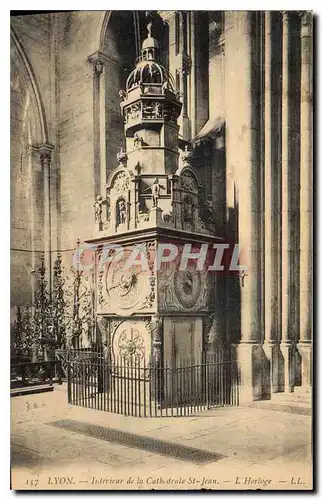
<point>153,198</point>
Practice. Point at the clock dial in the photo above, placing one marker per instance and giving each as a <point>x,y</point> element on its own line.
<point>126,287</point>
<point>187,286</point>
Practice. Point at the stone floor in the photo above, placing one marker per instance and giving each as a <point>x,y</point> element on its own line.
<point>257,449</point>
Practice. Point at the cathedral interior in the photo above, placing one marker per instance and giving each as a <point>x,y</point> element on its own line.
<point>152,127</point>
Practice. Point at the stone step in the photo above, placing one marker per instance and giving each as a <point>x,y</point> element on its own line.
<point>290,402</point>
<point>303,390</point>
<point>283,406</point>
<point>291,398</point>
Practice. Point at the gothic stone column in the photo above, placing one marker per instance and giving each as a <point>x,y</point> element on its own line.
<point>306,179</point>
<point>288,272</point>
<point>243,148</point>
<point>271,186</point>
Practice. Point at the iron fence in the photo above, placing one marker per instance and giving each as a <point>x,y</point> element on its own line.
<point>149,390</point>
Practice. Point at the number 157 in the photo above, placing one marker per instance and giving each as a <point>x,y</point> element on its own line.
<point>32,482</point>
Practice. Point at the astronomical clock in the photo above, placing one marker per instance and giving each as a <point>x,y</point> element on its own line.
<point>153,195</point>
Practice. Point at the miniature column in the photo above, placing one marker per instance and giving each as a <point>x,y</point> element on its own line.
<point>306,179</point>
<point>45,153</point>
<point>99,174</point>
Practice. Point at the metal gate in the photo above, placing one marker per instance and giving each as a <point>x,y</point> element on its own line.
<point>140,390</point>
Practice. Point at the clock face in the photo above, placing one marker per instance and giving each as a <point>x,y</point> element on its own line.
<point>126,287</point>
<point>187,286</point>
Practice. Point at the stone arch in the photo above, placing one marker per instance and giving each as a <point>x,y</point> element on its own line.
<point>119,58</point>
<point>128,174</point>
<point>30,81</point>
<point>135,22</point>
<point>102,30</point>
<point>189,179</point>
<point>187,170</point>
<point>28,128</point>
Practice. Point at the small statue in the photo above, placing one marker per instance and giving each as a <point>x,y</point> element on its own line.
<point>134,112</point>
<point>122,158</point>
<point>121,211</point>
<point>188,209</point>
<point>98,209</point>
<point>155,191</point>
<point>138,168</point>
<point>149,27</point>
<point>137,141</point>
<point>122,95</point>
<point>158,110</point>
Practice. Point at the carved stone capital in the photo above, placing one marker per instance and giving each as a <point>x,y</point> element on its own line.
<point>43,151</point>
<point>103,58</point>
<point>98,60</point>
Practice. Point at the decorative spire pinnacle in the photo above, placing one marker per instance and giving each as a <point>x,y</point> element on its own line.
<point>150,44</point>
<point>149,28</point>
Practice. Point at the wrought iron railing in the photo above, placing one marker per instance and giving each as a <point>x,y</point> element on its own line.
<point>148,390</point>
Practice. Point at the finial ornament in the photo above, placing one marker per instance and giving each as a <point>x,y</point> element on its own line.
<point>149,27</point>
